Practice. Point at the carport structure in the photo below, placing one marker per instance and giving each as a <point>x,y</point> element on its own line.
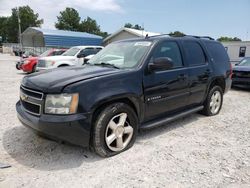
<point>38,37</point>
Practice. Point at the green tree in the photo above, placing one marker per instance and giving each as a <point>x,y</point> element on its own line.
<point>228,39</point>
<point>136,26</point>
<point>128,25</point>
<point>3,28</point>
<point>89,25</point>
<point>176,34</point>
<point>68,19</point>
<point>27,18</point>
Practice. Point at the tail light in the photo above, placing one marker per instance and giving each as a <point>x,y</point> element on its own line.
<point>231,71</point>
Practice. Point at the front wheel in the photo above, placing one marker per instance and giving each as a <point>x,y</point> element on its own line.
<point>115,130</point>
<point>33,69</point>
<point>214,100</point>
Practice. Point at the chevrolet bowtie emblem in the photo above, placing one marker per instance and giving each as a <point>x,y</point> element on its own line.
<point>24,97</point>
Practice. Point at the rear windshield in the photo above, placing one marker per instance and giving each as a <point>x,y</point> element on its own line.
<point>218,52</point>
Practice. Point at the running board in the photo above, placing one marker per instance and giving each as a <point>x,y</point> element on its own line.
<point>162,121</point>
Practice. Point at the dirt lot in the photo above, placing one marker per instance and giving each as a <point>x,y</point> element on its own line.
<point>195,151</point>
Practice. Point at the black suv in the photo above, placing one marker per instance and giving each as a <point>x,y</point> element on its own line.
<point>129,85</point>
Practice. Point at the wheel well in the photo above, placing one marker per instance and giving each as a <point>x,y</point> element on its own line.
<point>63,65</point>
<point>219,82</point>
<point>99,108</point>
<point>103,105</point>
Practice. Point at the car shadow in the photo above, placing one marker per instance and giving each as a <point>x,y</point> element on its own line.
<point>36,152</point>
<point>33,151</point>
<point>240,88</point>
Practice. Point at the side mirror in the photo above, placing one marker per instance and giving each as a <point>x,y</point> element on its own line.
<point>81,55</point>
<point>161,63</point>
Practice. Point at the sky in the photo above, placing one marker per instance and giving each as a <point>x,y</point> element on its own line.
<point>213,18</point>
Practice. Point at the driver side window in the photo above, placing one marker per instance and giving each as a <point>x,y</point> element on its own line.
<point>171,50</point>
<point>87,51</point>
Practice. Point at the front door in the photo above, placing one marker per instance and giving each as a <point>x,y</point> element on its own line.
<point>166,91</point>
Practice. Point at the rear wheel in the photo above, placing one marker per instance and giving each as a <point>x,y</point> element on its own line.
<point>214,100</point>
<point>115,130</point>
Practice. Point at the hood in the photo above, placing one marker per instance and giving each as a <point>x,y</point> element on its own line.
<point>242,68</point>
<point>30,59</point>
<point>54,80</point>
<point>58,58</point>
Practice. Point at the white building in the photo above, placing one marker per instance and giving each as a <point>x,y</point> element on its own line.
<point>127,33</point>
<point>237,50</point>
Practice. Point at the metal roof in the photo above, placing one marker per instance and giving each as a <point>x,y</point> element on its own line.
<point>58,38</point>
<point>65,33</point>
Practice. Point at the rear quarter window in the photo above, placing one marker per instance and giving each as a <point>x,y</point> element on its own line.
<point>194,53</point>
<point>217,52</point>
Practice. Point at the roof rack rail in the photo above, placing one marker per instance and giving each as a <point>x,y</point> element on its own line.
<point>147,37</point>
<point>200,37</point>
<point>169,34</point>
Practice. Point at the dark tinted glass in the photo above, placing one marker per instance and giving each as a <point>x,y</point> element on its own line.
<point>57,53</point>
<point>88,51</point>
<point>242,51</point>
<point>217,52</point>
<point>194,53</point>
<point>170,50</point>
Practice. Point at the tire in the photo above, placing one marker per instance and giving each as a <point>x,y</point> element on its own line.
<point>213,102</point>
<point>115,130</point>
<point>33,69</point>
<point>17,67</point>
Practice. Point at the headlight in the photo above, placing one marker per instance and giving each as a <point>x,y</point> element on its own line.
<point>50,63</point>
<point>26,62</point>
<point>61,104</point>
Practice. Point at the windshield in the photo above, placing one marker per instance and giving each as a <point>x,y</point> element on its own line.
<point>122,54</point>
<point>71,52</point>
<point>45,54</point>
<point>245,62</point>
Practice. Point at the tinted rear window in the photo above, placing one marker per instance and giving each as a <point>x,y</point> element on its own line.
<point>218,52</point>
<point>194,53</point>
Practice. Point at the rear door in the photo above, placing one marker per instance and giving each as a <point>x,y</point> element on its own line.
<point>165,91</point>
<point>199,70</point>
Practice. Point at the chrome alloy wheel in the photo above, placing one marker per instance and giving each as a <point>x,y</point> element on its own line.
<point>215,102</point>
<point>118,132</point>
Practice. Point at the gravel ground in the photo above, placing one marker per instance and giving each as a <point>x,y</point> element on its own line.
<point>195,151</point>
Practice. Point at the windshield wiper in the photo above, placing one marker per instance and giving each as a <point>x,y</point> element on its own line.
<point>107,64</point>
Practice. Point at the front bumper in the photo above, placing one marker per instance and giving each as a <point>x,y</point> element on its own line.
<point>228,85</point>
<point>74,129</point>
<point>241,81</point>
<point>43,68</point>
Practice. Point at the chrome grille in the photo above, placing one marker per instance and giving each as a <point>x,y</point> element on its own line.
<point>41,63</point>
<point>31,100</point>
<point>31,93</point>
<point>241,74</point>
